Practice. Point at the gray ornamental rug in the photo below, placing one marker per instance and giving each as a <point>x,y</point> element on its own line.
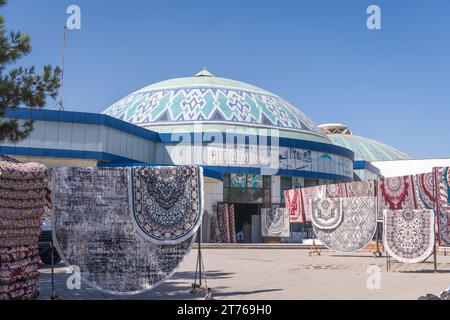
<point>167,202</point>
<point>442,176</point>
<point>409,234</point>
<point>357,228</point>
<point>326,213</point>
<point>365,188</point>
<point>92,229</point>
<point>275,222</point>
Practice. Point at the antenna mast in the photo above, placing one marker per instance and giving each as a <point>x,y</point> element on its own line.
<point>61,89</point>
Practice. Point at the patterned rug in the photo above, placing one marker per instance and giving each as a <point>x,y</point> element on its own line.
<point>247,231</point>
<point>214,234</point>
<point>11,213</point>
<point>93,229</point>
<point>222,219</point>
<point>275,222</point>
<point>292,198</point>
<point>443,205</point>
<point>23,171</point>
<point>357,228</point>
<point>12,254</point>
<point>305,201</point>
<point>409,234</point>
<point>5,223</point>
<point>395,194</point>
<point>336,190</point>
<point>326,213</point>
<point>364,188</point>
<point>167,202</point>
<point>231,223</point>
<point>424,190</point>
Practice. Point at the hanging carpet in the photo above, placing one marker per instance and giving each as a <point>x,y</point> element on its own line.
<point>409,234</point>
<point>167,202</point>
<point>326,213</point>
<point>93,230</point>
<point>275,222</point>
<point>357,227</point>
<point>292,199</point>
<point>424,190</point>
<point>442,176</point>
<point>395,193</point>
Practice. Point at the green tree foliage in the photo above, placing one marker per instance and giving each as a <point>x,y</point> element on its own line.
<point>21,86</point>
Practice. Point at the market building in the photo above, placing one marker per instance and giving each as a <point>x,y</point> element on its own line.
<point>374,159</point>
<point>252,144</point>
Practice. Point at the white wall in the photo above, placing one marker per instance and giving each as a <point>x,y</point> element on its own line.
<point>213,193</point>
<point>58,162</point>
<point>87,137</point>
<point>406,167</point>
<point>276,187</point>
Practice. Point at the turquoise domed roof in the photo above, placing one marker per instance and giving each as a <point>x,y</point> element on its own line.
<point>367,149</point>
<point>208,99</point>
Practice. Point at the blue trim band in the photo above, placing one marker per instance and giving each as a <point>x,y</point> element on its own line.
<point>217,171</point>
<point>366,165</point>
<point>283,172</point>
<point>206,171</point>
<point>101,119</point>
<point>83,118</point>
<point>117,161</point>
<point>283,142</point>
<point>63,153</point>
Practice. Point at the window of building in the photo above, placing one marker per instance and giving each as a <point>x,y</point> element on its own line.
<point>285,184</point>
<point>246,188</point>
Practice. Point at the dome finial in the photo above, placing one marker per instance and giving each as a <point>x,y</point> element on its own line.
<point>335,128</point>
<point>204,73</point>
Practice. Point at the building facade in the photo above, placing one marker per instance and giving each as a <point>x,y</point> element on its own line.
<point>252,144</point>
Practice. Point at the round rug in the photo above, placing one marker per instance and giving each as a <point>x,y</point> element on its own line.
<point>326,213</point>
<point>409,234</point>
<point>167,202</point>
<point>357,228</point>
<point>93,231</point>
<point>275,222</point>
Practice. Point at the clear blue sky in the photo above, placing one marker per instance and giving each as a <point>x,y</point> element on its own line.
<point>391,85</point>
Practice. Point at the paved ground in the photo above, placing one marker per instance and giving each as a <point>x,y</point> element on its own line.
<point>282,274</point>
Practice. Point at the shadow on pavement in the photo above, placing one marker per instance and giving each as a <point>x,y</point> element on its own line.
<point>177,287</point>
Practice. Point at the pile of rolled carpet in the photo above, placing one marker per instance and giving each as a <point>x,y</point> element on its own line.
<point>23,187</point>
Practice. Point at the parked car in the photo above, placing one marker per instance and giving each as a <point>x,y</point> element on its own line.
<point>45,241</point>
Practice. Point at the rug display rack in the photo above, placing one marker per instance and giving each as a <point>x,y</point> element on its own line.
<point>419,242</point>
<point>434,255</point>
<point>200,272</point>
<point>426,191</point>
<point>314,249</point>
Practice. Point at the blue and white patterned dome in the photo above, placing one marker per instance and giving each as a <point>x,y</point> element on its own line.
<point>367,149</point>
<point>364,148</point>
<point>208,99</point>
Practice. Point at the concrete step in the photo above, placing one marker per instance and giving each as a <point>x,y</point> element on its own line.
<point>257,246</point>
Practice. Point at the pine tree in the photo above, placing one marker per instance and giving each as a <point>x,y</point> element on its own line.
<point>21,86</point>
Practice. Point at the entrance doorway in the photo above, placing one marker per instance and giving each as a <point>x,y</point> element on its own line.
<point>246,226</point>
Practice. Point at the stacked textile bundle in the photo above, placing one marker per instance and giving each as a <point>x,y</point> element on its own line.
<point>23,187</point>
